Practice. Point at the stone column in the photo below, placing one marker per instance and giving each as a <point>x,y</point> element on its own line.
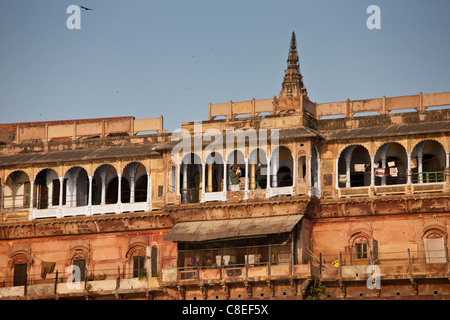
<point>246,180</point>
<point>132,184</point>
<point>31,199</point>
<point>178,183</point>
<point>420,167</point>
<point>348,184</point>
<point>383,165</point>
<point>268,187</point>
<point>294,172</point>
<point>447,168</point>
<point>31,194</point>
<point>408,170</point>
<point>225,178</point>
<point>103,195</point>
<point>310,175</point>
<point>202,198</point>
<point>149,191</point>
<point>210,174</point>
<point>372,171</point>
<point>61,193</point>
<point>74,201</point>
<point>90,195</point>
<point>119,188</point>
<point>252,176</point>
<point>184,187</point>
<point>274,172</point>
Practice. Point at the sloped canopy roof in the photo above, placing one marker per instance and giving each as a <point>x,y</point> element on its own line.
<point>77,155</point>
<point>198,231</point>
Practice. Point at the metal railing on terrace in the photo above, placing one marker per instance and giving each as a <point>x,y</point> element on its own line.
<point>60,277</point>
<point>428,177</point>
<point>233,262</point>
<point>396,263</point>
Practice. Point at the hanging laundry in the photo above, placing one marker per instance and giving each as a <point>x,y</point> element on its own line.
<point>391,164</point>
<point>359,167</point>
<point>393,171</point>
<point>343,178</point>
<point>413,163</point>
<point>380,172</point>
<point>47,267</point>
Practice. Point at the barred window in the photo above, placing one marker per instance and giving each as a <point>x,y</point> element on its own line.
<point>361,250</point>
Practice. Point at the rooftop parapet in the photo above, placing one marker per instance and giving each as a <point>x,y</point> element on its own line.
<point>347,109</point>
<point>77,129</point>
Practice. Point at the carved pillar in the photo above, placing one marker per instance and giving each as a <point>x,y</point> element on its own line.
<point>202,196</point>
<point>246,180</point>
<point>383,165</point>
<point>210,176</point>
<point>372,172</point>
<point>274,172</point>
<point>103,196</point>
<point>310,173</point>
<point>119,193</point>
<point>90,191</point>
<point>61,193</point>
<point>420,166</point>
<point>184,188</point>
<point>90,194</point>
<point>252,176</point>
<point>31,214</point>
<point>225,178</point>
<point>31,194</point>
<point>269,161</point>
<point>408,170</point>
<point>447,168</point>
<point>347,171</point>
<point>132,184</point>
<point>74,201</point>
<point>149,191</point>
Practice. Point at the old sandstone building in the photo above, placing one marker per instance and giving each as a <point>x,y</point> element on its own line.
<point>325,191</point>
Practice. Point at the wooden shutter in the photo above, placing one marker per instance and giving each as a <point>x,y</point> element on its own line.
<point>81,263</point>
<point>20,274</point>
<point>138,266</point>
<point>374,252</point>
<point>55,192</point>
<point>154,261</point>
<point>43,197</point>
<point>435,250</point>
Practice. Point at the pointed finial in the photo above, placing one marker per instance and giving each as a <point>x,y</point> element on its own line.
<point>292,83</point>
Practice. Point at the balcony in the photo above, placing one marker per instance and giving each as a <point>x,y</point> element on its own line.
<point>89,210</point>
<point>392,266</point>
<point>108,282</point>
<point>421,182</point>
<point>232,265</point>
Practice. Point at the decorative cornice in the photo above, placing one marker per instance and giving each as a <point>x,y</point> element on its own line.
<point>84,225</point>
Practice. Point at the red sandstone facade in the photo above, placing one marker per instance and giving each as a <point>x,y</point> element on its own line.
<point>329,199</point>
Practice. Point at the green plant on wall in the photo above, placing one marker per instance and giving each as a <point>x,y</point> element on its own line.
<point>315,290</point>
<point>143,274</point>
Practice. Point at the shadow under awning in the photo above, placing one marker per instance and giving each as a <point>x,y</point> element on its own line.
<point>198,231</point>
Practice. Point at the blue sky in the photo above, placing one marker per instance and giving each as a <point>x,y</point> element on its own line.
<point>147,58</point>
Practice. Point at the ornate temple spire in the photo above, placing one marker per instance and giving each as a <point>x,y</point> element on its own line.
<point>292,83</point>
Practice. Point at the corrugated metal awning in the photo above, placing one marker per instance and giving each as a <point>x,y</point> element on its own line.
<point>197,231</point>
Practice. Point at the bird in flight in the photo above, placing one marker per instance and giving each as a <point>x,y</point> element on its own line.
<point>85,8</point>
